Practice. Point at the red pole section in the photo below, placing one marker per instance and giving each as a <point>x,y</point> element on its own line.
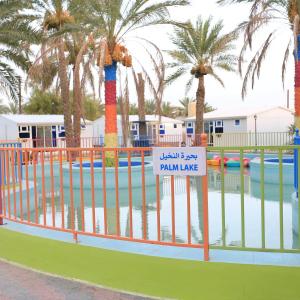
<point>205,205</point>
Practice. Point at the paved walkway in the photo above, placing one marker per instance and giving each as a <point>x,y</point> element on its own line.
<point>21,284</point>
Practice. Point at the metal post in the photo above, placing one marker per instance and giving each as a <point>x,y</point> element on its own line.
<point>255,129</point>
<point>205,205</point>
<point>296,142</point>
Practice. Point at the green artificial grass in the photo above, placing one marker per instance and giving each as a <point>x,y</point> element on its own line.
<point>167,278</point>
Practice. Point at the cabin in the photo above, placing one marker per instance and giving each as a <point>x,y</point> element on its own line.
<point>245,126</point>
<point>39,130</point>
<point>156,128</point>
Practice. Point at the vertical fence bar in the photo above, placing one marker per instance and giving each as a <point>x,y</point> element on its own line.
<point>52,189</point>
<point>8,183</point>
<point>19,171</point>
<point>205,202</point>
<point>158,207</point>
<point>188,205</point>
<point>104,190</point>
<point>144,208</point>
<point>242,197</point>
<point>35,191</point>
<point>72,217</point>
<point>81,191</point>
<point>223,199</point>
<point>26,154</point>
<point>61,188</point>
<point>117,191</point>
<point>3,198</point>
<point>93,191</point>
<point>262,198</point>
<point>281,199</point>
<point>43,188</point>
<point>13,176</point>
<point>130,195</point>
<point>173,209</point>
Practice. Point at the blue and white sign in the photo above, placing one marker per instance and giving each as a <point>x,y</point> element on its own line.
<point>185,161</point>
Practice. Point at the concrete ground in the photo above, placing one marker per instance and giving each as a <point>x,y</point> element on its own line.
<point>17,283</point>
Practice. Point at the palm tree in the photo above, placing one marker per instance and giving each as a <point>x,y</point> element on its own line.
<point>66,42</point>
<point>139,81</point>
<point>53,17</point>
<point>167,109</point>
<point>262,14</point>
<point>150,106</point>
<point>4,109</point>
<point>185,105</point>
<point>15,36</point>
<point>118,18</point>
<point>201,49</point>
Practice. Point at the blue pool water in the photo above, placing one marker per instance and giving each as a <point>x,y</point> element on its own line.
<point>222,211</point>
<point>284,160</point>
<point>122,164</point>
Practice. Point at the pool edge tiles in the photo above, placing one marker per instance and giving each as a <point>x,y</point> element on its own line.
<point>182,253</point>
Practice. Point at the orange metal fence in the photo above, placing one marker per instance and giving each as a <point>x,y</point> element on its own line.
<point>43,187</point>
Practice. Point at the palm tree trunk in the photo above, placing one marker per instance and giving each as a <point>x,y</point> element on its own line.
<point>200,99</point>
<point>77,107</point>
<point>124,107</point>
<point>140,89</point>
<point>64,88</point>
<point>78,95</point>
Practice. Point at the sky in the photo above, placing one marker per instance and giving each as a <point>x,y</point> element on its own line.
<point>268,89</point>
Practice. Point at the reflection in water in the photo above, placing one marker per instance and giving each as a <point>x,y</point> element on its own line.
<point>232,211</point>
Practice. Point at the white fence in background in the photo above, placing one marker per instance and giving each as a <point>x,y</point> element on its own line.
<point>239,139</point>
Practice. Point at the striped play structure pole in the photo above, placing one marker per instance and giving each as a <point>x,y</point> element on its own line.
<point>297,85</point>
<point>111,131</point>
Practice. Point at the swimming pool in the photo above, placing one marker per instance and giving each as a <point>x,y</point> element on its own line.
<point>223,212</point>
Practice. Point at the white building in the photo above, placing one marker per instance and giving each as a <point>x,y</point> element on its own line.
<point>38,130</point>
<point>256,124</point>
<point>155,128</point>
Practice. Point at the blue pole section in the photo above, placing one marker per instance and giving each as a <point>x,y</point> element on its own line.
<point>296,142</point>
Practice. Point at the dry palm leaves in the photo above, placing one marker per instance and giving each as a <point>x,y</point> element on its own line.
<point>57,20</point>
<point>200,70</point>
<point>119,54</point>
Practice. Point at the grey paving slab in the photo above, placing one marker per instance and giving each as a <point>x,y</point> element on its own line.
<point>18,283</point>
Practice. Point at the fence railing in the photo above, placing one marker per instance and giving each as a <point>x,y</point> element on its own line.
<point>85,197</point>
<point>235,139</point>
<point>276,171</point>
<point>240,139</point>
<point>127,202</point>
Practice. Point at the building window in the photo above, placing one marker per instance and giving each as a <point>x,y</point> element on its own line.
<point>23,129</point>
<point>133,126</point>
<point>83,126</point>
<point>161,126</point>
<point>175,126</point>
<point>237,122</point>
<point>219,124</point>
<point>189,125</point>
<point>61,128</point>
